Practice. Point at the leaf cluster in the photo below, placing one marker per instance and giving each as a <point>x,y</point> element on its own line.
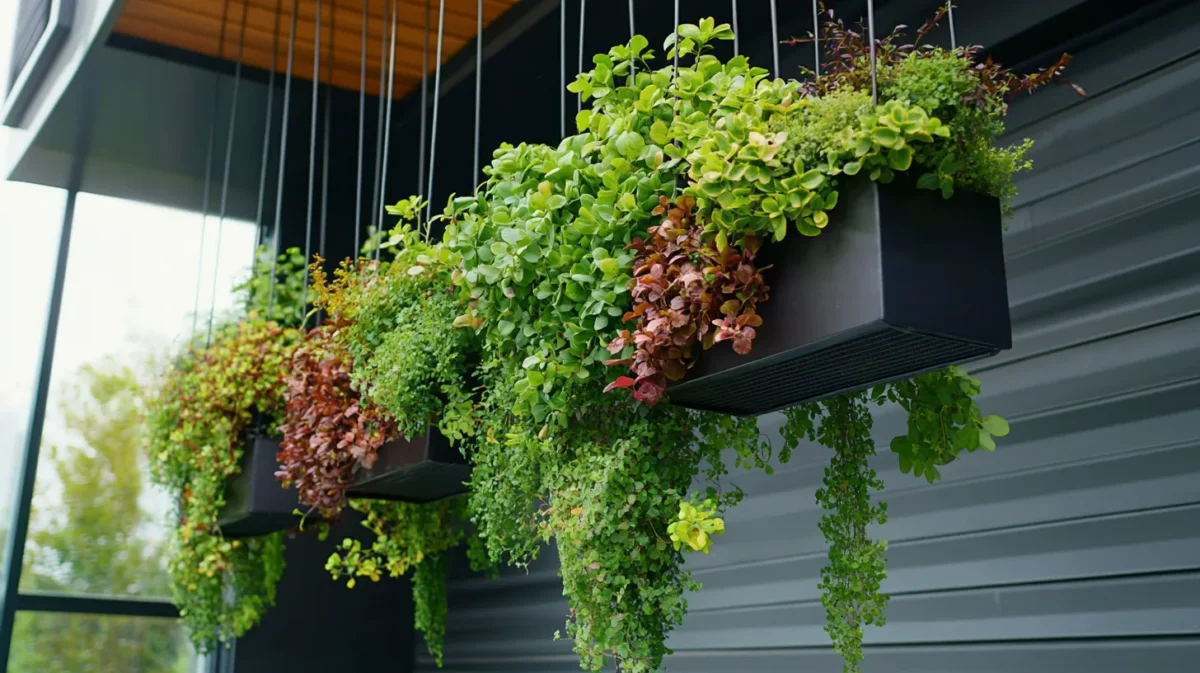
<point>686,292</point>
<point>328,433</point>
<point>407,537</point>
<point>198,422</point>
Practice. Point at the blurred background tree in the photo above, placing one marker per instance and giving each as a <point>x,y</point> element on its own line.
<point>94,537</point>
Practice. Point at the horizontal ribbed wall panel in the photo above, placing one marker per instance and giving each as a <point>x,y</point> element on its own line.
<point>1075,548</point>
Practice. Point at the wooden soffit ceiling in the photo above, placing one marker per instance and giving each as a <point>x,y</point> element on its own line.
<point>196,26</point>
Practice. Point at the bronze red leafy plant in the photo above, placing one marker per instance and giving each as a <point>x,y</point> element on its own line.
<point>686,291</point>
<point>328,432</point>
<point>847,61</point>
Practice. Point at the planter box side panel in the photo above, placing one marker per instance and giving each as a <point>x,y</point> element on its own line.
<point>424,469</point>
<point>943,264</point>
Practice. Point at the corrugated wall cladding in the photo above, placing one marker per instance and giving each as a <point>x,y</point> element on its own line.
<point>1075,548</point>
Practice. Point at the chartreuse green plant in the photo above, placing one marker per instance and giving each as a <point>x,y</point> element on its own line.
<point>197,422</point>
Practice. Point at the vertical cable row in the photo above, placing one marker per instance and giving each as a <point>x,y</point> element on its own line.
<point>237,80</point>
<point>478,86</point>
<point>262,171</point>
<point>283,129</point>
<point>424,100</point>
<point>328,123</point>
<point>562,68</point>
<point>950,17</point>
<point>362,106</point>
<point>212,129</point>
<point>737,49</point>
<point>387,127</point>
<point>582,19</point>
<point>312,160</point>
<point>437,92</point>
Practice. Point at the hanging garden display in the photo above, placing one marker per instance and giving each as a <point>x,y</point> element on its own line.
<point>585,348</point>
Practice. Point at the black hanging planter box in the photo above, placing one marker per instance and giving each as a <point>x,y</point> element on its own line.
<point>255,502</point>
<point>901,282</point>
<point>424,469</point>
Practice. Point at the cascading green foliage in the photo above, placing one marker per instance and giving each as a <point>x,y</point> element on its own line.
<point>943,421</point>
<point>407,537</point>
<point>409,360</point>
<point>197,418</point>
<point>545,273</point>
<point>196,423</point>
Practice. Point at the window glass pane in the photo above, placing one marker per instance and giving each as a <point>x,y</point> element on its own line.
<point>97,526</point>
<point>29,232</point>
<point>54,642</point>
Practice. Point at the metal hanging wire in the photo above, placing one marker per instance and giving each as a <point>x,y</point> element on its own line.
<point>478,85</point>
<point>632,32</point>
<point>871,40</point>
<point>562,68</point>
<point>950,18</point>
<point>237,80</point>
<point>266,148</point>
<point>283,128</point>
<point>437,94</point>
<point>387,129</point>
<point>362,107</point>
<point>376,205</point>
<point>328,124</point>
<point>424,99</point>
<point>775,39</point>
<point>325,142</point>
<point>212,125</point>
<point>582,22</point>
<point>816,39</point>
<point>312,161</point>
<point>675,83</point>
<point>737,49</point>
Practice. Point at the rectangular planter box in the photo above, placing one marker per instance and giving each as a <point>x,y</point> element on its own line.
<point>901,282</point>
<point>424,469</point>
<point>255,502</point>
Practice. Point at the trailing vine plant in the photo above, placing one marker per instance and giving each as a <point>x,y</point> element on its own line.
<point>197,422</point>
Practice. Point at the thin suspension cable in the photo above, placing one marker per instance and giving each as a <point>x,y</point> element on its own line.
<point>675,84</point>
<point>424,101</point>
<point>816,40</point>
<point>384,94</point>
<point>437,92</point>
<point>212,123</point>
<point>632,32</point>
<point>262,170</point>
<point>775,38</point>
<point>582,17</point>
<point>737,49</point>
<point>478,85</point>
<point>237,80</point>
<point>283,128</point>
<point>325,143</point>
<point>950,16</point>
<point>562,68</point>
<point>871,38</point>
<point>362,106</point>
<point>387,129</point>
<point>312,162</point>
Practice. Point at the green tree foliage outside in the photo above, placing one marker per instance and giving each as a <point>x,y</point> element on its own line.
<point>91,536</point>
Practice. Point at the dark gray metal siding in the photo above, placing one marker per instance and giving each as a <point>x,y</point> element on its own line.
<point>1075,548</point>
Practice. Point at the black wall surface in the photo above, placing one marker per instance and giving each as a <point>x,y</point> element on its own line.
<point>319,626</point>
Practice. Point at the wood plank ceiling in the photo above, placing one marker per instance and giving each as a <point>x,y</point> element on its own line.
<point>195,25</point>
